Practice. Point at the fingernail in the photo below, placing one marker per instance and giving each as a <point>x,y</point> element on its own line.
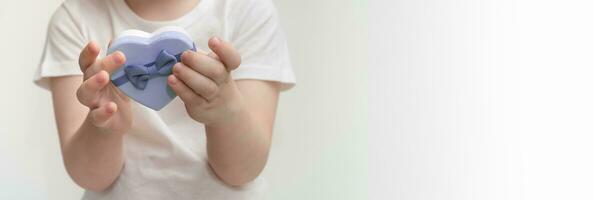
<point>172,79</point>
<point>100,78</point>
<point>215,40</point>
<point>184,54</point>
<point>92,47</point>
<point>175,68</point>
<point>119,58</point>
<point>110,109</point>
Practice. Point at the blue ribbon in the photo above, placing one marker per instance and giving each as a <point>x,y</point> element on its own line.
<point>139,75</point>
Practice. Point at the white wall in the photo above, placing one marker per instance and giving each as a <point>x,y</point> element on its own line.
<point>30,162</point>
<point>319,149</point>
<point>436,99</point>
<point>481,99</point>
<point>320,145</point>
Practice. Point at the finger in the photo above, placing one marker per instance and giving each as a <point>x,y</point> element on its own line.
<point>102,116</point>
<point>186,94</point>
<point>88,92</point>
<point>206,66</point>
<point>199,83</point>
<point>88,55</point>
<point>209,54</point>
<point>113,61</point>
<point>226,52</point>
<point>214,56</point>
<point>200,51</point>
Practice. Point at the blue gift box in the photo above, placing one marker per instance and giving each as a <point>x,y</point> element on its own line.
<point>149,59</point>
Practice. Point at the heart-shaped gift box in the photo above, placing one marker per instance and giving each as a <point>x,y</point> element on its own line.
<point>149,60</point>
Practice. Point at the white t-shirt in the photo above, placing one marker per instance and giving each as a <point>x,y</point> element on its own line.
<point>165,150</point>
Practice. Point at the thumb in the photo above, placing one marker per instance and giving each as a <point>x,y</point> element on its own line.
<point>226,53</point>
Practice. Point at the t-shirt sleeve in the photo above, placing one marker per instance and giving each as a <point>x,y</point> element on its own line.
<point>63,44</point>
<point>258,37</point>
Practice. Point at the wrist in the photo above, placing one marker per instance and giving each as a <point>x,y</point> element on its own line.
<point>235,115</point>
<point>231,111</point>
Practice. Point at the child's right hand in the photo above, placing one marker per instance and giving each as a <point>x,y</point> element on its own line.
<point>110,109</point>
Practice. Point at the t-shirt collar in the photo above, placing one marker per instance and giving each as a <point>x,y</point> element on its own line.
<point>124,11</point>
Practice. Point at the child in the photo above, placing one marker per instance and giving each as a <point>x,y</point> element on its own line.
<point>116,148</point>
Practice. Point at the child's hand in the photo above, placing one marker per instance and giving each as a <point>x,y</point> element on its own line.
<point>203,82</point>
<point>109,108</point>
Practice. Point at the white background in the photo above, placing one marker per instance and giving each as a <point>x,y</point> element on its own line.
<point>319,149</point>
<point>481,99</point>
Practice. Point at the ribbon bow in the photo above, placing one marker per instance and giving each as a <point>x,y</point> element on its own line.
<point>139,75</point>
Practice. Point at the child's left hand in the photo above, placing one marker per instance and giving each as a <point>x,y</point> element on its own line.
<point>203,82</point>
